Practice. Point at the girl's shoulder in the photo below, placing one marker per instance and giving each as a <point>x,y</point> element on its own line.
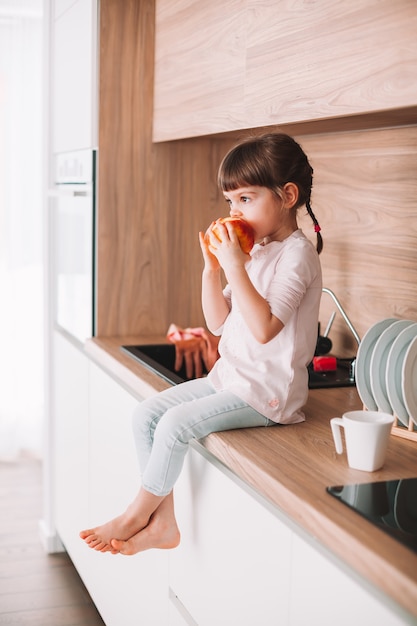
<point>296,241</point>
<point>296,253</point>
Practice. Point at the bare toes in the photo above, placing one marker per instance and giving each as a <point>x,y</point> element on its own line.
<point>93,541</point>
<point>115,543</point>
<point>84,534</point>
<point>127,548</point>
<point>106,548</point>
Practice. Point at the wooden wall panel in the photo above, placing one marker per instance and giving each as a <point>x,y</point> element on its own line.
<point>365,190</point>
<point>222,66</point>
<point>186,194</point>
<point>152,199</point>
<point>130,231</point>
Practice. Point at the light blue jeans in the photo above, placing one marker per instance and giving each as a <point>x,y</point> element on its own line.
<point>163,426</point>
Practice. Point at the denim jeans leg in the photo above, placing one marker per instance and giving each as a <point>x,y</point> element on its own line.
<point>191,419</point>
<point>148,413</point>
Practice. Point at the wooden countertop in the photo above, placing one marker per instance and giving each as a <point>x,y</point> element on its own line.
<point>291,466</point>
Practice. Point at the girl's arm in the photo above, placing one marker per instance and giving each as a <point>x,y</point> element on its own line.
<point>215,306</point>
<point>255,310</point>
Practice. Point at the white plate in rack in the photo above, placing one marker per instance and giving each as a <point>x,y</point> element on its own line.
<point>363,362</point>
<point>393,378</point>
<point>378,364</point>
<point>409,380</point>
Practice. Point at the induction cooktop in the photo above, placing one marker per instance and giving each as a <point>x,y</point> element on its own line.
<point>391,505</point>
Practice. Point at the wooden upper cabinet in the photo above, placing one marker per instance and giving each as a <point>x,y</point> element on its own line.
<point>200,51</point>
<point>228,65</point>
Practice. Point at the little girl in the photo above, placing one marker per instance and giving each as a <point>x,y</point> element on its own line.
<point>267,317</point>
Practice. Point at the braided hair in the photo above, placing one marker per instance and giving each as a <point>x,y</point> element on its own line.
<point>271,160</point>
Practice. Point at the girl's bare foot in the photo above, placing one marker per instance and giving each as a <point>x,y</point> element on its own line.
<point>99,538</point>
<point>157,534</point>
<point>131,522</point>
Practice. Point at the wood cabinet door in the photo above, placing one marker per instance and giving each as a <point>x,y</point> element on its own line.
<point>223,66</point>
<point>199,67</point>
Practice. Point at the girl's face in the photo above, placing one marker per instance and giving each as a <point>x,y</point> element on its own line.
<point>268,215</point>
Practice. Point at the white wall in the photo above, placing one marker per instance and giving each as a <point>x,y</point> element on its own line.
<point>21,283</point>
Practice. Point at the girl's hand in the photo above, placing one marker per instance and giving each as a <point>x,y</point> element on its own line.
<point>210,261</point>
<point>227,250</point>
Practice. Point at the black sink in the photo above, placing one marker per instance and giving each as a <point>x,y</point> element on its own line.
<point>160,358</point>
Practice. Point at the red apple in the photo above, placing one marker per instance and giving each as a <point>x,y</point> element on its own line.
<point>244,232</point>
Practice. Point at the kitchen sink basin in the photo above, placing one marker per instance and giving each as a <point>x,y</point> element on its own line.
<point>160,358</point>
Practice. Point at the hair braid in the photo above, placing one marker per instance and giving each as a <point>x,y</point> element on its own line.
<point>316,226</point>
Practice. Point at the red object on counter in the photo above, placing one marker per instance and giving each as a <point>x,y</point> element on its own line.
<point>324,364</point>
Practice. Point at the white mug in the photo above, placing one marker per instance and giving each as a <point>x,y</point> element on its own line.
<point>366,436</point>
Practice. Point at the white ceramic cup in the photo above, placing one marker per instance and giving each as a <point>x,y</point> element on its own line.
<point>366,437</point>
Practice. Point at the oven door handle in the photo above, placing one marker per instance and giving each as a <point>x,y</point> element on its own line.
<point>69,193</point>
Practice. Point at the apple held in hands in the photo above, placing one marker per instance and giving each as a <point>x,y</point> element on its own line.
<point>244,232</point>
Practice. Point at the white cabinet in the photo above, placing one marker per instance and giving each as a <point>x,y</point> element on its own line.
<point>233,563</point>
<point>96,475</point>
<point>128,591</point>
<point>323,593</point>
<point>114,471</point>
<point>70,437</point>
<point>73,62</point>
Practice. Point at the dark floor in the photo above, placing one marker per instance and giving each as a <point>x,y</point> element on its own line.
<point>36,589</point>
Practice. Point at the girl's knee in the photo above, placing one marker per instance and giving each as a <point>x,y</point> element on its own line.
<point>172,428</point>
<point>143,417</point>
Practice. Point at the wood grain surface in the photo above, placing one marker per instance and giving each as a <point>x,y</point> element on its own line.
<point>365,186</point>
<point>154,198</point>
<point>130,229</point>
<point>248,63</point>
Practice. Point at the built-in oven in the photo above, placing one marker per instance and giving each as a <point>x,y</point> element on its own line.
<point>73,209</point>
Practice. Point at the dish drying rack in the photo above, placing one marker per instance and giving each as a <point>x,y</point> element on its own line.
<point>398,429</point>
<point>405,432</point>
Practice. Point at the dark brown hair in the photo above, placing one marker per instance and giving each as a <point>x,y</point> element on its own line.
<point>271,160</point>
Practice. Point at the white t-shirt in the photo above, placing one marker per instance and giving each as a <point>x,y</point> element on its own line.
<point>273,377</point>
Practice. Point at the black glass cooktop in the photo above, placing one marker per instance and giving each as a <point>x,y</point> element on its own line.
<point>391,505</point>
